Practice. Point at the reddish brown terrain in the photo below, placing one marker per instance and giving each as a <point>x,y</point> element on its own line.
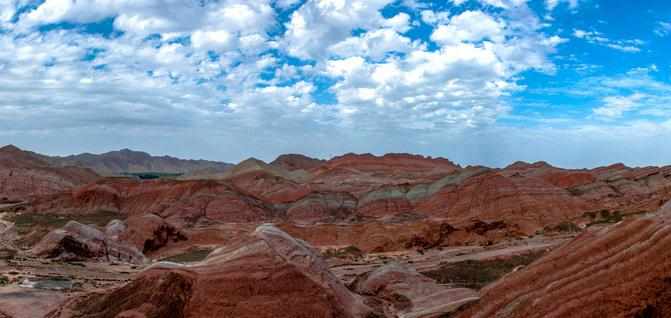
<point>24,175</point>
<point>129,161</point>
<point>397,235</point>
<point>618,271</point>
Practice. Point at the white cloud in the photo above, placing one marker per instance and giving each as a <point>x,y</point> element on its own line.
<point>616,106</point>
<point>284,4</point>
<point>399,23</point>
<point>597,38</point>
<point>552,4</point>
<point>7,12</point>
<point>663,29</point>
<point>155,16</point>
<point>391,91</point>
<point>374,44</point>
<point>318,24</point>
<point>432,17</point>
<point>214,40</point>
<point>506,4</point>
<point>470,26</point>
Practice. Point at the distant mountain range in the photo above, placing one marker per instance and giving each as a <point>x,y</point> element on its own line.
<point>128,161</point>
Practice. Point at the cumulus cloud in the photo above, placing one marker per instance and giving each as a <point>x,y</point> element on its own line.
<point>318,24</point>
<point>374,44</point>
<point>257,75</point>
<point>381,78</point>
<point>470,26</point>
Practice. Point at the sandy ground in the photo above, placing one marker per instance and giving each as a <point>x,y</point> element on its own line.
<point>433,259</point>
<point>19,302</point>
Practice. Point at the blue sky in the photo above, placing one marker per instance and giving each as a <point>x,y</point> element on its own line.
<point>578,83</point>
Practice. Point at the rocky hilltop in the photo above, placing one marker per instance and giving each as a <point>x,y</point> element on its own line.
<point>23,174</point>
<point>128,161</point>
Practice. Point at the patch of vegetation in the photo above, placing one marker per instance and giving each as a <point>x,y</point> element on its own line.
<point>576,191</point>
<point>564,227</point>
<point>26,222</point>
<point>194,255</point>
<point>609,218</point>
<point>590,215</point>
<point>345,252</point>
<point>4,280</point>
<point>152,175</point>
<point>478,274</point>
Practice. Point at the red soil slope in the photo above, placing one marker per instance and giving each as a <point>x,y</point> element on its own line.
<point>619,271</point>
<point>23,174</point>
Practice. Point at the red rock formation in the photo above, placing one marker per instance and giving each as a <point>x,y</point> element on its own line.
<point>79,241</point>
<point>180,201</point>
<point>530,203</point>
<point>293,162</point>
<point>268,274</point>
<point>400,234</point>
<point>322,207</point>
<point>24,174</point>
<point>617,271</point>
<point>406,293</point>
<point>380,190</point>
<point>149,233</point>
<point>268,187</point>
<point>358,174</point>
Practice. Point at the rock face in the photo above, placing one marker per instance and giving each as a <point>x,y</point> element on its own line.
<point>129,161</point>
<point>7,235</point>
<point>24,174</point>
<point>406,293</point>
<point>618,271</point>
<point>8,232</point>
<point>147,232</point>
<point>78,241</point>
<point>359,174</point>
<point>533,196</point>
<point>178,201</point>
<point>297,162</point>
<point>268,274</point>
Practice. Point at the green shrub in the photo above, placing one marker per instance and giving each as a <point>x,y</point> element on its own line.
<point>4,280</point>
<point>349,251</point>
<point>567,227</point>
<point>194,255</point>
<point>477,274</point>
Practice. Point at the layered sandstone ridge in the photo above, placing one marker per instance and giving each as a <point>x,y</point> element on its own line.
<point>267,274</point>
<point>406,293</point>
<point>430,202</point>
<point>618,271</point>
<point>76,241</point>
